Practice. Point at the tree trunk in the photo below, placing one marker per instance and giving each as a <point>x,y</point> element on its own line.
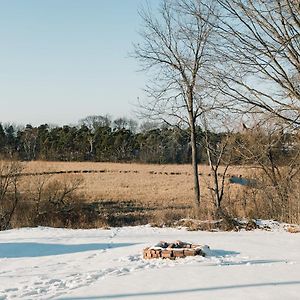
<point>195,166</point>
<point>217,190</point>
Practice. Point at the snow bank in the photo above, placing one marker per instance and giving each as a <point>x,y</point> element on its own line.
<point>47,263</point>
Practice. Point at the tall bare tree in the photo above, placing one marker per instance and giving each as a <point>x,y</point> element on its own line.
<point>177,49</point>
<point>260,45</point>
<point>219,157</point>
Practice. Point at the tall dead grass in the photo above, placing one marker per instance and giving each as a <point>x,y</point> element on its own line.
<point>131,194</point>
<point>167,185</point>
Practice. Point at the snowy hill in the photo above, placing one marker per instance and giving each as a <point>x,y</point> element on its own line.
<point>48,263</point>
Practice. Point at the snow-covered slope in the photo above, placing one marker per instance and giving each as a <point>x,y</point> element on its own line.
<point>47,263</point>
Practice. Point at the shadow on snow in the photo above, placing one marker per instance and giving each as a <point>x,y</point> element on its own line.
<point>18,250</point>
<point>221,253</point>
<point>185,291</point>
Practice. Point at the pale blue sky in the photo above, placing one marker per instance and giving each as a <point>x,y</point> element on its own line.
<point>61,60</point>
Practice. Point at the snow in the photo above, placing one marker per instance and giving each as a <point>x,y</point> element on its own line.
<point>49,263</point>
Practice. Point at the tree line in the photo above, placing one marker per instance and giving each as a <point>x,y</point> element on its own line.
<point>98,138</point>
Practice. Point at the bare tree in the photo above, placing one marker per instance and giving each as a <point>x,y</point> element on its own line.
<point>216,154</point>
<point>9,191</point>
<point>218,147</point>
<point>260,46</point>
<point>95,121</point>
<point>124,123</point>
<point>177,49</point>
<point>29,140</point>
<point>274,149</point>
<point>59,192</point>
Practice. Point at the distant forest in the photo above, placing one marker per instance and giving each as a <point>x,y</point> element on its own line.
<point>98,138</point>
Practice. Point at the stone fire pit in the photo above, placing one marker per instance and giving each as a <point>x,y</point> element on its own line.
<point>177,249</point>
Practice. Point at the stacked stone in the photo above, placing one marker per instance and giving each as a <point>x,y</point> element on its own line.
<point>293,229</point>
<point>172,250</point>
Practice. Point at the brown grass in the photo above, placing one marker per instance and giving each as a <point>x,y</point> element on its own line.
<point>163,185</point>
<point>130,194</point>
<point>116,194</point>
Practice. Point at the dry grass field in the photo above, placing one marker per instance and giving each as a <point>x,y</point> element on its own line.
<point>163,185</point>
<point>135,193</point>
<point>116,194</point>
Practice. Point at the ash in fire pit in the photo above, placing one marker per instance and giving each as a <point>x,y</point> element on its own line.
<point>174,250</point>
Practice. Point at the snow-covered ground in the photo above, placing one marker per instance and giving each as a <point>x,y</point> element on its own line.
<point>48,263</point>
